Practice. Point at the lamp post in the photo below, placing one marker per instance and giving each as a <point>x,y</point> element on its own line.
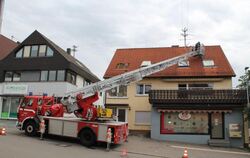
<point>247,84</point>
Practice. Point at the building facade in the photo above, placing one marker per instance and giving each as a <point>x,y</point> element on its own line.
<point>213,73</point>
<point>37,66</point>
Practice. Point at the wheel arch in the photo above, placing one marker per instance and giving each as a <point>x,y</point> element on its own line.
<point>30,119</point>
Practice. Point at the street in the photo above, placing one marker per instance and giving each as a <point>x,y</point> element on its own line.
<point>17,145</point>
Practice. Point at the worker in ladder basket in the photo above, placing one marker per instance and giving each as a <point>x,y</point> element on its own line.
<point>42,129</point>
<point>109,135</point>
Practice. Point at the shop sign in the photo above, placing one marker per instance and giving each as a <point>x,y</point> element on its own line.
<point>234,131</point>
<point>184,116</point>
<point>15,89</point>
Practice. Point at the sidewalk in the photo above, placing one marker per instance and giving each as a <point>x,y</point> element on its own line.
<point>153,148</point>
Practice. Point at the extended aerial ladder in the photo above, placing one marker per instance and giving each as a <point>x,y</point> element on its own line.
<point>80,101</point>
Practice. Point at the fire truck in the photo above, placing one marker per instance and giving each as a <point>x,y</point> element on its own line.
<point>90,123</point>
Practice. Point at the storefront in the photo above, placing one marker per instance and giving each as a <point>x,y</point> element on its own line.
<point>209,122</point>
<point>10,97</point>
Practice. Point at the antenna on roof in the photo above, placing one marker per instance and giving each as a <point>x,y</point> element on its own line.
<point>184,34</point>
<point>74,50</point>
<point>1,14</point>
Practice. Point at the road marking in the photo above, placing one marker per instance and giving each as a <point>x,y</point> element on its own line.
<point>212,150</point>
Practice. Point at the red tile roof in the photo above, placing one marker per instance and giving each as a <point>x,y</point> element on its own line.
<point>6,46</point>
<point>135,56</point>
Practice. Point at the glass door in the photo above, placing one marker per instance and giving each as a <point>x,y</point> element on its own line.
<point>13,107</point>
<point>217,123</point>
<point>5,108</point>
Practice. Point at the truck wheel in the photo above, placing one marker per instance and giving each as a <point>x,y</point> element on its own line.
<point>87,137</point>
<point>30,128</point>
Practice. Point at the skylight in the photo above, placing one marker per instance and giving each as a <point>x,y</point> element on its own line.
<point>145,63</point>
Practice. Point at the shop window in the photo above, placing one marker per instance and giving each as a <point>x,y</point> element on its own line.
<point>8,76</point>
<point>19,54</point>
<point>60,75</point>
<point>142,89</point>
<point>120,91</point>
<point>26,52</point>
<point>42,50</point>
<point>142,117</point>
<point>52,75</point>
<point>34,51</point>
<point>184,123</point>
<point>50,52</point>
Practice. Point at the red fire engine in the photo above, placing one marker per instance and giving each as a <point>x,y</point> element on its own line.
<point>91,123</point>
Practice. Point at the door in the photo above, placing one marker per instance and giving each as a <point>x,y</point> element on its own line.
<point>217,123</point>
<point>5,108</point>
<point>122,115</point>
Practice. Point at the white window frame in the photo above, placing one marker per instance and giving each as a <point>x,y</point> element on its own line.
<point>144,89</point>
<point>118,89</point>
<point>184,63</point>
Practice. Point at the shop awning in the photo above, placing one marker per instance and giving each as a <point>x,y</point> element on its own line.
<point>194,111</point>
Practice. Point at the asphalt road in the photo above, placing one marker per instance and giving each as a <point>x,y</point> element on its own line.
<point>17,145</point>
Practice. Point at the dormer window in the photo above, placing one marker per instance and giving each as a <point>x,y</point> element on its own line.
<point>208,63</point>
<point>34,51</point>
<point>122,65</point>
<point>145,63</point>
<point>184,63</point>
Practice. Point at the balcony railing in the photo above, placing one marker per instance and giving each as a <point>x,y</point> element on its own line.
<point>198,96</point>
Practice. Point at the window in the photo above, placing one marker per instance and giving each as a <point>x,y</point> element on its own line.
<point>49,52</point>
<point>201,86</point>
<point>30,76</point>
<point>122,65</point>
<point>60,75</point>
<point>19,54</point>
<point>208,63</point>
<point>34,51</point>
<point>142,117</point>
<point>71,78</point>
<point>143,89</point>
<point>184,63</point>
<point>26,52</point>
<point>44,76</point>
<point>120,91</point>
<point>16,76</point>
<point>182,86</point>
<point>42,50</point>
<point>52,75</point>
<point>172,123</point>
<point>8,76</point>
<point>145,63</point>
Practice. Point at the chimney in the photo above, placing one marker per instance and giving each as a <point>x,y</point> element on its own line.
<point>69,51</point>
<point>1,14</point>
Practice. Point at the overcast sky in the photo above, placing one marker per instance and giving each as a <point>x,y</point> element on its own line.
<point>99,27</point>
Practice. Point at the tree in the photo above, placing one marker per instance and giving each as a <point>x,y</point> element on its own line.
<point>244,80</point>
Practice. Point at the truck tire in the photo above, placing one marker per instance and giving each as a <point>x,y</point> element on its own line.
<point>87,137</point>
<point>30,128</point>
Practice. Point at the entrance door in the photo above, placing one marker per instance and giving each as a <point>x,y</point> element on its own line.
<point>217,123</point>
<point>122,115</point>
<point>9,107</point>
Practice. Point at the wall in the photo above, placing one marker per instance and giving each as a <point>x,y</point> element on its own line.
<point>155,133</point>
<point>141,103</point>
<point>234,117</point>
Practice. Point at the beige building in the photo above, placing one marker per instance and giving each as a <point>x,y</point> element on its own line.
<point>131,102</point>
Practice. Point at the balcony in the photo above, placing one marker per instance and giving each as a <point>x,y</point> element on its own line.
<point>231,96</point>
